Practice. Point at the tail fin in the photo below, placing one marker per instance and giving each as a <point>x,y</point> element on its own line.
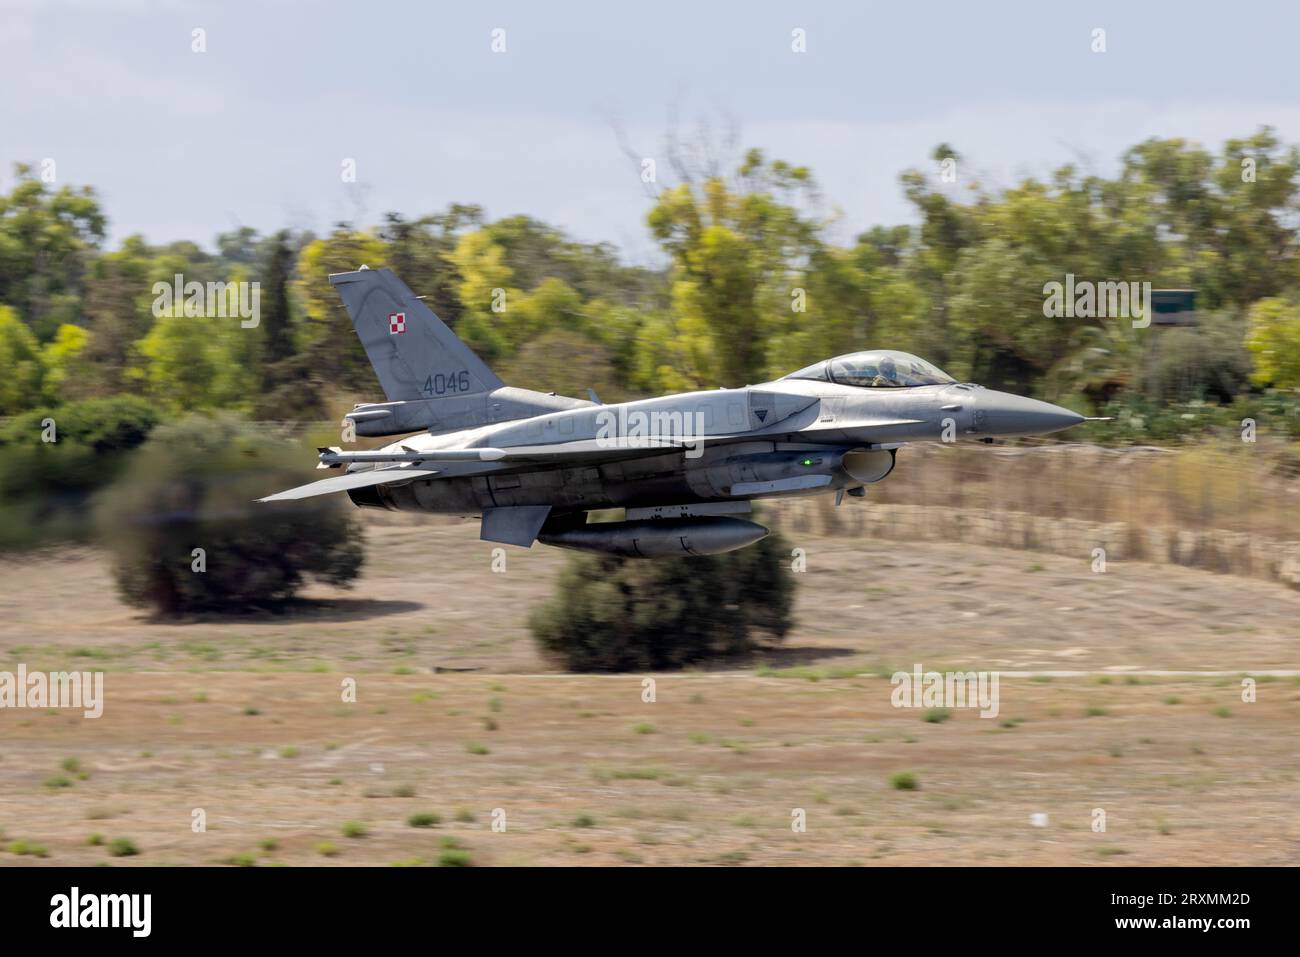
<point>414,354</point>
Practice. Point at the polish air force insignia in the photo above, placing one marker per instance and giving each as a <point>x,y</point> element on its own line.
<point>396,323</point>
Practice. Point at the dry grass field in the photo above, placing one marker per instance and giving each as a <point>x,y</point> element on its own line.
<point>243,717</point>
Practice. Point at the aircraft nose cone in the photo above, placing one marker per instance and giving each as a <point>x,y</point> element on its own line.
<point>1007,414</point>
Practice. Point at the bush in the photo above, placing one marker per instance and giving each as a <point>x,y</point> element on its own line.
<point>28,848</point>
<point>1141,421</point>
<point>616,614</point>
<point>46,487</point>
<point>123,847</point>
<point>904,781</point>
<point>193,485</point>
<point>1207,363</point>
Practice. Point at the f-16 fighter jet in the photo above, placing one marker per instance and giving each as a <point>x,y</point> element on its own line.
<point>685,467</point>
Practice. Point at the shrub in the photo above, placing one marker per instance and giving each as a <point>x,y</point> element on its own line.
<point>193,485</point>
<point>46,488</point>
<point>1209,362</point>
<point>617,614</point>
<point>28,849</point>
<point>424,819</point>
<point>904,781</point>
<point>123,847</point>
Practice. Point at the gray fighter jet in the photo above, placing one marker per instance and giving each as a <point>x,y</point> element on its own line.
<point>683,466</point>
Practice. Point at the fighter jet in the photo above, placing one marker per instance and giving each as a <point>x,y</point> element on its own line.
<point>533,465</point>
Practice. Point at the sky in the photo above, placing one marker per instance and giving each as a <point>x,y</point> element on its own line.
<point>256,129</point>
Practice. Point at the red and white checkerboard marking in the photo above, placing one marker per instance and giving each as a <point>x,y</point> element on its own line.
<point>396,323</point>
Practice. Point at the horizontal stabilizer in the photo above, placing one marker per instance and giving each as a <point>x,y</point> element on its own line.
<point>341,483</point>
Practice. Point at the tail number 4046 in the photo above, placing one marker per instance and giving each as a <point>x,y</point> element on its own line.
<point>447,384</point>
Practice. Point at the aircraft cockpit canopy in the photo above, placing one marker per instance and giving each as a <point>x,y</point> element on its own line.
<point>879,369</point>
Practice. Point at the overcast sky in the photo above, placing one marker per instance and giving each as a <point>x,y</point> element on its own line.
<point>254,131</point>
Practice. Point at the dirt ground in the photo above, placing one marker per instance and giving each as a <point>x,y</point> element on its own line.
<point>243,717</point>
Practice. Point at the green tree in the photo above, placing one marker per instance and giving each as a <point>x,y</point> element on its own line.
<point>20,358</point>
<point>118,313</point>
<point>201,362</point>
<point>737,249</point>
<point>420,251</point>
<point>486,293</point>
<point>63,361</point>
<point>564,362</point>
<point>335,352</point>
<point>1273,338</point>
<point>1233,217</point>
<point>276,318</point>
<point>46,238</point>
<point>552,305</point>
<point>290,387</point>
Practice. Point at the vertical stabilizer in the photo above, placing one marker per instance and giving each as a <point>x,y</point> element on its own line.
<point>413,352</point>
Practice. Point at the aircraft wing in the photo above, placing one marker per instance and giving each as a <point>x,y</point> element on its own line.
<point>341,483</point>
<point>409,465</point>
<point>589,450</point>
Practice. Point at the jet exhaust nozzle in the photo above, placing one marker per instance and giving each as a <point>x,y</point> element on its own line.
<point>658,538</point>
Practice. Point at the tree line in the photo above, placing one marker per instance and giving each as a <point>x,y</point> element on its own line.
<point>754,286</point>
